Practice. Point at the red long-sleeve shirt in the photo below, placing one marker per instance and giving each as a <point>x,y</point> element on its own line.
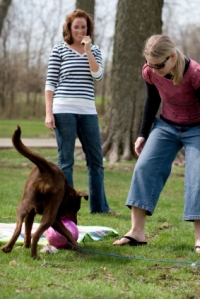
<point>180,103</point>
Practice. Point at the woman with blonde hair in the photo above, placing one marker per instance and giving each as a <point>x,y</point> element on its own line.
<point>172,80</point>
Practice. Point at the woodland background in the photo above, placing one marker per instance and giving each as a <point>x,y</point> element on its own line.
<point>30,29</point>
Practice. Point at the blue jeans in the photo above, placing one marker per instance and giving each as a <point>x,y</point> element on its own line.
<point>86,127</point>
<point>154,166</point>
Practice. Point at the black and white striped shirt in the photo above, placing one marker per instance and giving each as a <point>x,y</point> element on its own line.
<point>71,80</point>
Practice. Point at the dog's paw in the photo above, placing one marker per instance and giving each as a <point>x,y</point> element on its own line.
<point>6,249</point>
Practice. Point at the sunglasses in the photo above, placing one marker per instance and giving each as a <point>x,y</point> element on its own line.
<point>160,65</point>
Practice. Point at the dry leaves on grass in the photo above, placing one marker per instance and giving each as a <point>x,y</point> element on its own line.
<point>165,225</point>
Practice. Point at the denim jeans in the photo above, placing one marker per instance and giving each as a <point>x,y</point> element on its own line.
<point>154,166</point>
<point>86,127</point>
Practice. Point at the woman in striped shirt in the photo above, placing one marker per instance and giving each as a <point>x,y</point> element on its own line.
<point>74,64</point>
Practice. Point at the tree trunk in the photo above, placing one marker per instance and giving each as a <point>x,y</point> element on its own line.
<point>135,22</point>
<point>86,5</point>
<point>4,4</point>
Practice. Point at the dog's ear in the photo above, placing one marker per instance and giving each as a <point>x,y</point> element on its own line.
<point>82,194</point>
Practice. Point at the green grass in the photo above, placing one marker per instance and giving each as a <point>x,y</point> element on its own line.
<point>70,274</point>
<point>34,128</point>
<point>30,128</point>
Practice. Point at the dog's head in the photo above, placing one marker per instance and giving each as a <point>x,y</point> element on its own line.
<point>72,203</point>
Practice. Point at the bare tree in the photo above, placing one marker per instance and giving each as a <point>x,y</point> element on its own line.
<point>87,5</point>
<point>23,67</point>
<point>135,22</point>
<point>4,5</point>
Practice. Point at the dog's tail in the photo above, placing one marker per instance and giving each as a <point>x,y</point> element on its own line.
<point>38,160</point>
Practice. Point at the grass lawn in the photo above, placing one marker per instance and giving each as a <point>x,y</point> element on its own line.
<point>162,269</point>
<point>34,128</point>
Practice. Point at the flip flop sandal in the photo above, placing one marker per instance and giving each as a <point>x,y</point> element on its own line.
<point>133,242</point>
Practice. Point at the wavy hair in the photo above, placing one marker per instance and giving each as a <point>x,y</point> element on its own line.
<point>162,46</point>
<point>78,13</point>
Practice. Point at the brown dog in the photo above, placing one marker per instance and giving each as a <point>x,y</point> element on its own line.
<point>47,193</point>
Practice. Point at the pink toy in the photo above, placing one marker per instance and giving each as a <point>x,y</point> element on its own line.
<point>57,240</point>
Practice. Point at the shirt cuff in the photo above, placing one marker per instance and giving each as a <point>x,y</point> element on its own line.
<point>49,87</point>
<point>98,73</point>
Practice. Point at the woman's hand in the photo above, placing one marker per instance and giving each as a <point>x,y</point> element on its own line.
<point>139,144</point>
<point>94,66</point>
<point>50,121</point>
<point>86,41</point>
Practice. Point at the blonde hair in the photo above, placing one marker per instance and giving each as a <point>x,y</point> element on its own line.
<point>162,46</point>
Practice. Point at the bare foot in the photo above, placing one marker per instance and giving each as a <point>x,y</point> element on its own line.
<point>121,241</point>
